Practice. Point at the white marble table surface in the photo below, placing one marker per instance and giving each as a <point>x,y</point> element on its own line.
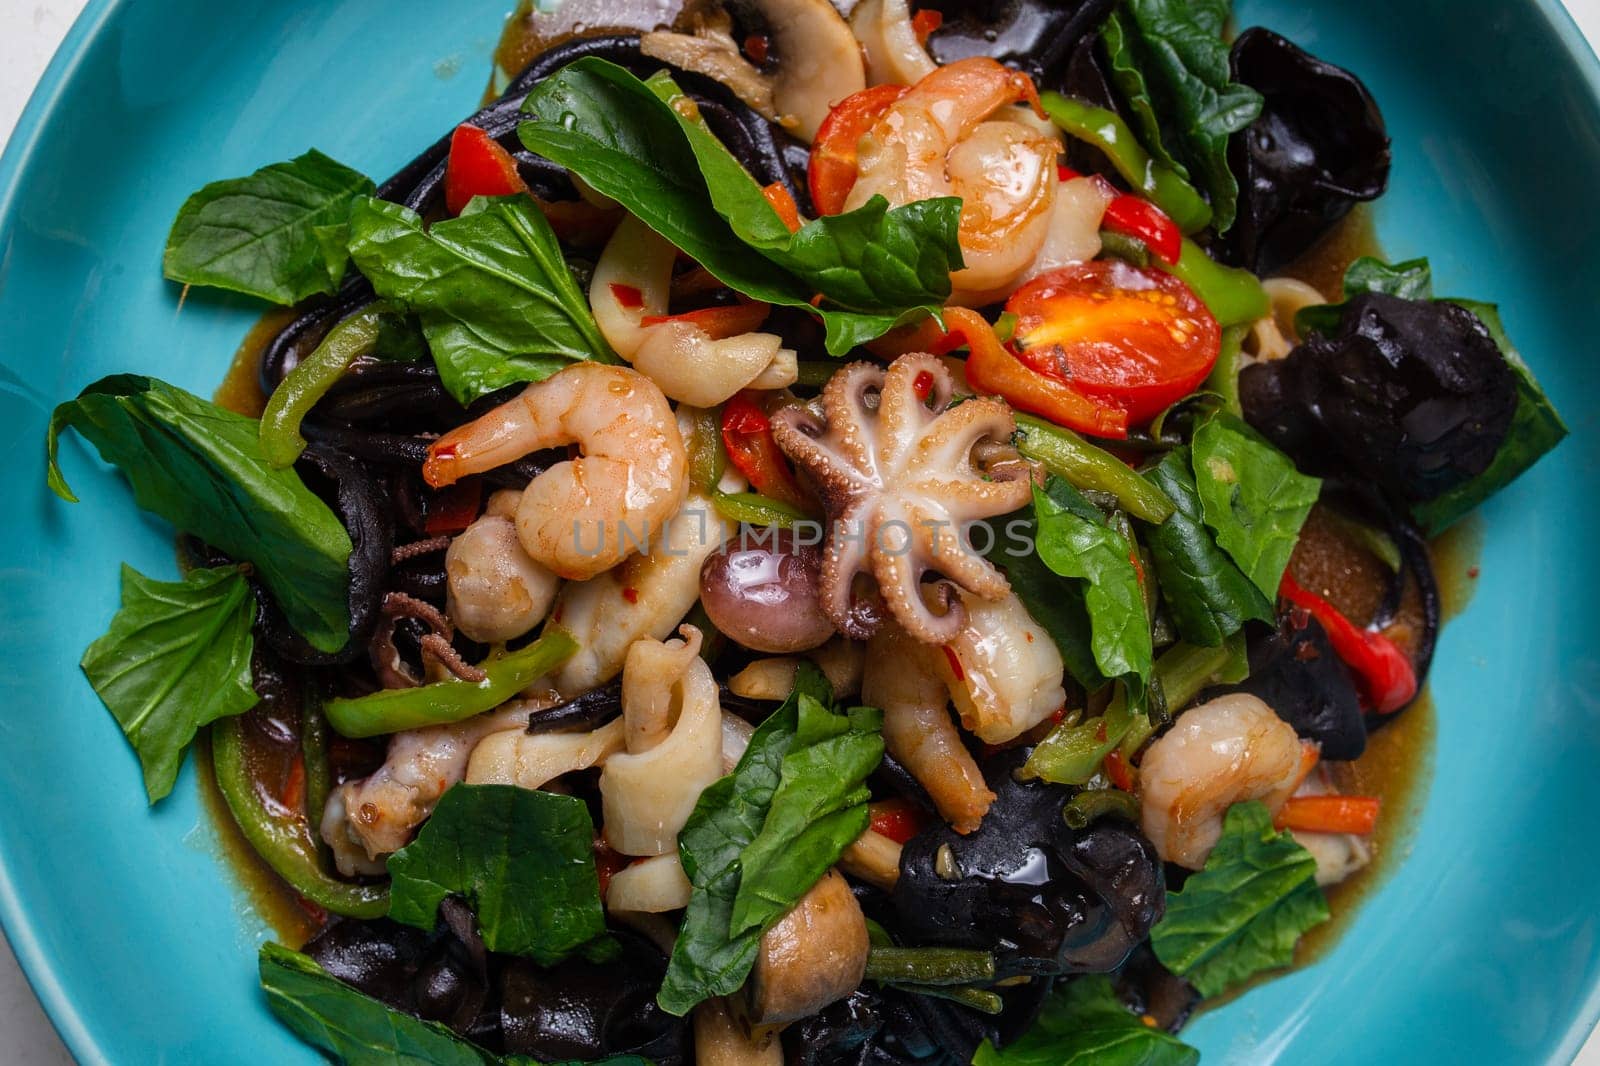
<point>29,33</point>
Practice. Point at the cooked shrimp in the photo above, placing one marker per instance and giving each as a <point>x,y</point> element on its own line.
<point>496,590</point>
<point>942,139</point>
<point>368,819</point>
<point>584,516</point>
<point>1230,750</point>
<point>918,729</point>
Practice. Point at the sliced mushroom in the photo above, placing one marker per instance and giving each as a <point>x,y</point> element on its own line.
<point>816,955</point>
<point>819,61</point>
<point>721,1039</point>
<point>712,51</point>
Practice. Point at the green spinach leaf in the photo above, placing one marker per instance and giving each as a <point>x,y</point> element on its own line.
<point>1170,62</point>
<point>818,811</point>
<point>490,289</point>
<point>1208,597</point>
<point>278,234</point>
<point>357,1030</point>
<point>177,657</point>
<point>1076,541</point>
<point>1536,428</point>
<point>710,958</point>
<point>1252,497</point>
<point>875,267</point>
<point>201,468</point>
<point>1411,280</point>
<point>524,861</point>
<point>1083,1023</point>
<point>1246,910</point>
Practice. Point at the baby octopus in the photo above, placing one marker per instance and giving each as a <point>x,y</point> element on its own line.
<point>891,459</point>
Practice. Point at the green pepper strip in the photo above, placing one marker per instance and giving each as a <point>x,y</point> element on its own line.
<point>314,752</point>
<point>309,381</point>
<point>1068,455</point>
<point>1183,670</point>
<point>1071,755</point>
<point>930,966</point>
<point>1105,130</point>
<point>1234,296</point>
<point>979,999</point>
<point>287,844</point>
<point>706,459</point>
<point>1088,807</point>
<point>753,509</point>
<point>1224,379</point>
<point>453,700</point>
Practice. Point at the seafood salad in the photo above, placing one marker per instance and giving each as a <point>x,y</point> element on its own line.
<point>811,533</point>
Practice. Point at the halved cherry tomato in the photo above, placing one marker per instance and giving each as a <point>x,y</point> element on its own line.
<point>782,201</point>
<point>747,438</point>
<point>1330,814</point>
<point>1137,340</point>
<point>719,323</point>
<point>897,820</point>
<point>832,173</point>
<point>478,166</point>
<point>993,369</point>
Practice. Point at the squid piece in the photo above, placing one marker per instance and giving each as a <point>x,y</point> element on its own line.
<point>672,720</point>
<point>901,679</point>
<point>651,886</point>
<point>533,760</point>
<point>841,662</point>
<point>894,55</point>
<point>643,599</point>
<point>368,819</point>
<point>1002,669</point>
<point>685,361</point>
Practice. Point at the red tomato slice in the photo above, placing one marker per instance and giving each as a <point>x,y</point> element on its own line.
<point>832,173</point>
<point>478,166</point>
<point>1138,340</point>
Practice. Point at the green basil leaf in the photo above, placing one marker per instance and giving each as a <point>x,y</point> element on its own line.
<point>200,467</point>
<point>490,289</point>
<point>277,234</point>
<point>1171,64</point>
<point>1208,597</point>
<point>357,1030</point>
<point>1411,280</point>
<point>1536,428</point>
<point>708,960</point>
<point>1076,541</point>
<point>177,657</point>
<point>523,860</point>
<point>875,267</point>
<point>1252,496</point>
<point>1083,1023</point>
<point>818,810</point>
<point>1246,910</point>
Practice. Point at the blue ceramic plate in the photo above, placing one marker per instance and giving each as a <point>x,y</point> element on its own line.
<point>1484,946</point>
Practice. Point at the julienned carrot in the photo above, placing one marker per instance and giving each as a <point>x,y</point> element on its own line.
<point>1330,814</point>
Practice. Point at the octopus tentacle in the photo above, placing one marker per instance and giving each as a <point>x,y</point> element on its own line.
<point>893,461</point>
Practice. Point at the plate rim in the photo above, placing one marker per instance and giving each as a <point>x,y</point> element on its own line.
<point>37,965</point>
